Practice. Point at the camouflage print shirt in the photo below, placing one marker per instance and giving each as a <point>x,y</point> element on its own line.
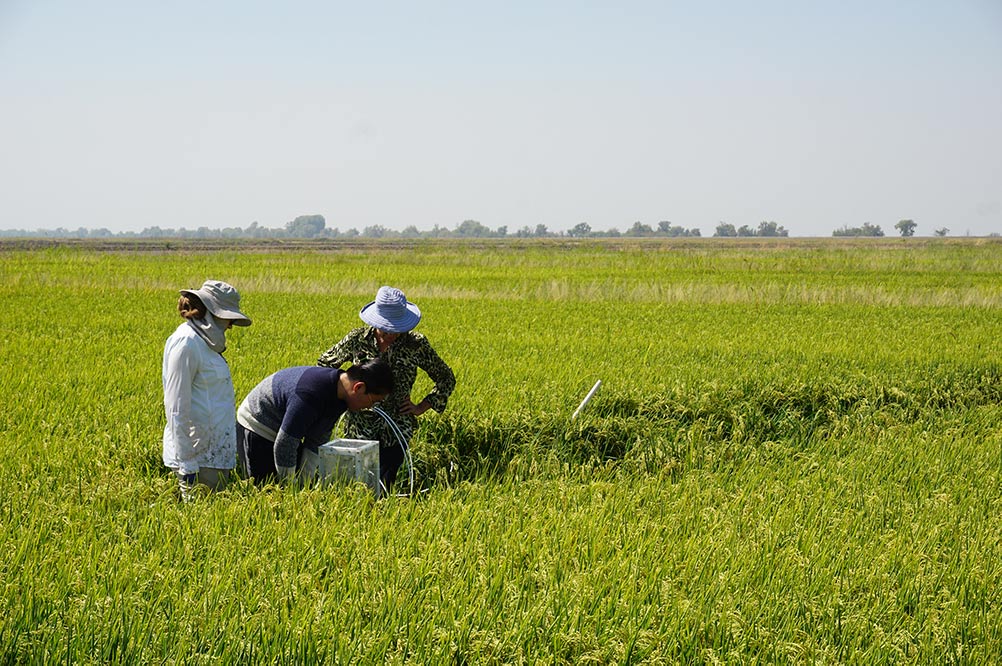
<point>406,355</point>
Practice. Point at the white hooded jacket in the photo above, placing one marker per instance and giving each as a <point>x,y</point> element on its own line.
<point>199,404</point>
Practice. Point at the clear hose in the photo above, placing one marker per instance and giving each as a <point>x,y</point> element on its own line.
<point>402,441</point>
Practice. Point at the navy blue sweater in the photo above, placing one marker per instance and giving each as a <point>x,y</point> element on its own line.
<point>293,407</point>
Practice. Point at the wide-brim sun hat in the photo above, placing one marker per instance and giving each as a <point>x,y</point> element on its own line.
<point>391,311</point>
<point>222,300</point>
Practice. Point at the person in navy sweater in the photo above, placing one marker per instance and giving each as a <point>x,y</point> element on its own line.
<point>284,419</point>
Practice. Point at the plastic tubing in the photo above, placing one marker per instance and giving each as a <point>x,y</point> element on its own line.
<point>403,446</point>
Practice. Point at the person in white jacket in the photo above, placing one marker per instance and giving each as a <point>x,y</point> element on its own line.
<point>199,444</point>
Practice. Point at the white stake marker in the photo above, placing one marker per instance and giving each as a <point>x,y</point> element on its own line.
<point>585,401</point>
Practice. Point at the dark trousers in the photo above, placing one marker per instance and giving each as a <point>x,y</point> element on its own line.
<point>257,455</point>
<point>390,459</point>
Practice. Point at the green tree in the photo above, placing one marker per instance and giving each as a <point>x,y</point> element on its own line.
<point>306,226</point>
<point>472,229</point>
<point>579,230</point>
<point>771,229</point>
<point>906,228</point>
<point>725,230</point>
<point>375,231</point>
<point>640,229</point>
<point>942,231</point>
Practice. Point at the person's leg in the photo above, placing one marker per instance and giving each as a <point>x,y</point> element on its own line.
<point>210,478</point>
<point>186,484</point>
<point>393,451</point>
<point>243,460</point>
<point>390,459</point>
<point>213,477</point>
<point>257,455</point>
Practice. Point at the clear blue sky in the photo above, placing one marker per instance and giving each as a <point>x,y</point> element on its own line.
<point>815,115</point>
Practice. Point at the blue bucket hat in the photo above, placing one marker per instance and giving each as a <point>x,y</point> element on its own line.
<point>391,312</point>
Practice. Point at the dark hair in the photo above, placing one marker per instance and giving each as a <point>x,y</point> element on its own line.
<point>190,306</point>
<point>375,374</point>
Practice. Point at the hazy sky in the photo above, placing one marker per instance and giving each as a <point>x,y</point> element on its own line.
<point>125,114</point>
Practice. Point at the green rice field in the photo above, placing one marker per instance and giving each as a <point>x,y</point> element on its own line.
<point>795,457</point>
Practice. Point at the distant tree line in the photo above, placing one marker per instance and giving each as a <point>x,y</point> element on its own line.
<point>905,227</point>
<point>315,226</point>
<point>866,230</point>
<point>765,229</point>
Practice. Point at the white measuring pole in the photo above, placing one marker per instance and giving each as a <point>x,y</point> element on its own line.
<point>585,401</point>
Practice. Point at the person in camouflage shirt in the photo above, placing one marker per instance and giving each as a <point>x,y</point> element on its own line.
<point>389,335</point>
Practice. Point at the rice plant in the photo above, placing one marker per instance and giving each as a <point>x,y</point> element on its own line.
<point>795,456</point>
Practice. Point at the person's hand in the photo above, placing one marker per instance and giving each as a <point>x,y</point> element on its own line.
<point>309,468</point>
<point>408,407</point>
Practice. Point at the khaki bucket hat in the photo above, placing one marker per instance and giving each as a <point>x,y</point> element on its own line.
<point>222,300</point>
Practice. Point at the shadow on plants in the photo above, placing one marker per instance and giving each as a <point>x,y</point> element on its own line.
<point>687,428</point>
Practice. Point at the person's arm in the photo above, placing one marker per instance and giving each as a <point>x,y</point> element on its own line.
<point>343,351</point>
<point>298,420</point>
<point>179,371</point>
<point>286,454</point>
<point>440,373</point>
